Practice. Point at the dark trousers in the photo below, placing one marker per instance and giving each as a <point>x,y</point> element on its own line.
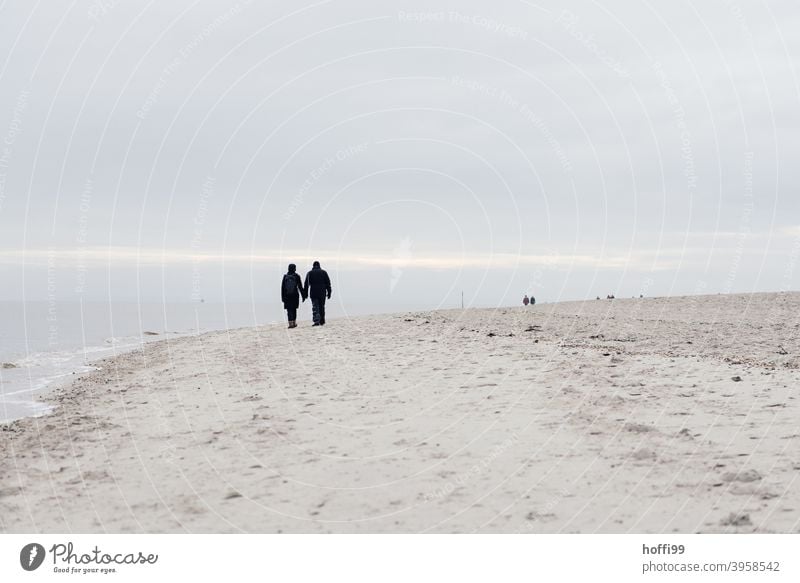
<point>291,314</point>
<point>318,310</point>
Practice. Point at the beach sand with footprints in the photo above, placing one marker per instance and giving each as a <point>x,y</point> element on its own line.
<point>638,415</point>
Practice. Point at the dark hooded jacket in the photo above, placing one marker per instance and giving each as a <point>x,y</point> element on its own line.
<point>291,301</point>
<point>318,284</point>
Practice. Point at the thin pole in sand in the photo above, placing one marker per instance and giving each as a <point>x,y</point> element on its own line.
<point>462,300</point>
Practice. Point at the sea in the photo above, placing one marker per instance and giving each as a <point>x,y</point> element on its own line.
<point>45,343</point>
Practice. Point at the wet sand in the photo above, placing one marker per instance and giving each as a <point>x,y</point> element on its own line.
<point>653,415</point>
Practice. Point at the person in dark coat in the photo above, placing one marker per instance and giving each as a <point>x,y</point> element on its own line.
<point>291,290</point>
<point>318,287</point>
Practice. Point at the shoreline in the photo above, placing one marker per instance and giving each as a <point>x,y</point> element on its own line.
<point>622,416</point>
<point>81,362</point>
<point>92,330</point>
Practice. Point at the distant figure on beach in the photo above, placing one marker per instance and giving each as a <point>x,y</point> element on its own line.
<point>525,300</point>
<point>291,290</point>
<point>318,286</point>
<point>533,301</point>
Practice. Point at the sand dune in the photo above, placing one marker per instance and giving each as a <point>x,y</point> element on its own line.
<point>654,415</point>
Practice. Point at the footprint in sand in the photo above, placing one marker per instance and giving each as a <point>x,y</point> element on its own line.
<point>746,476</point>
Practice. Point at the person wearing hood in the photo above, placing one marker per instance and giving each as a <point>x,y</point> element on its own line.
<point>291,290</point>
<point>318,286</point>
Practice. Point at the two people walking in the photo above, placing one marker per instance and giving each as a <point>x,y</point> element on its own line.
<point>317,285</point>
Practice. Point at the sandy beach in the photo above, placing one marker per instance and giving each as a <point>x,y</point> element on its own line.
<point>633,415</point>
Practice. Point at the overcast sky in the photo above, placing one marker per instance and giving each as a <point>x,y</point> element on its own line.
<point>181,150</point>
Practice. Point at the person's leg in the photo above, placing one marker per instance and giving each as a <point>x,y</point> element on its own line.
<point>315,310</point>
<point>292,315</point>
<point>322,311</point>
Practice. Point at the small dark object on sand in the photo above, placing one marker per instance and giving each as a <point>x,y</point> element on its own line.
<point>638,428</point>
<point>734,519</point>
<point>736,379</point>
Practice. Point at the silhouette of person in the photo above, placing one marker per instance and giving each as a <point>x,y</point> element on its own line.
<point>291,290</point>
<point>318,287</point>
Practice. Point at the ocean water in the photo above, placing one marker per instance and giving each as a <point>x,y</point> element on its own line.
<point>42,343</point>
